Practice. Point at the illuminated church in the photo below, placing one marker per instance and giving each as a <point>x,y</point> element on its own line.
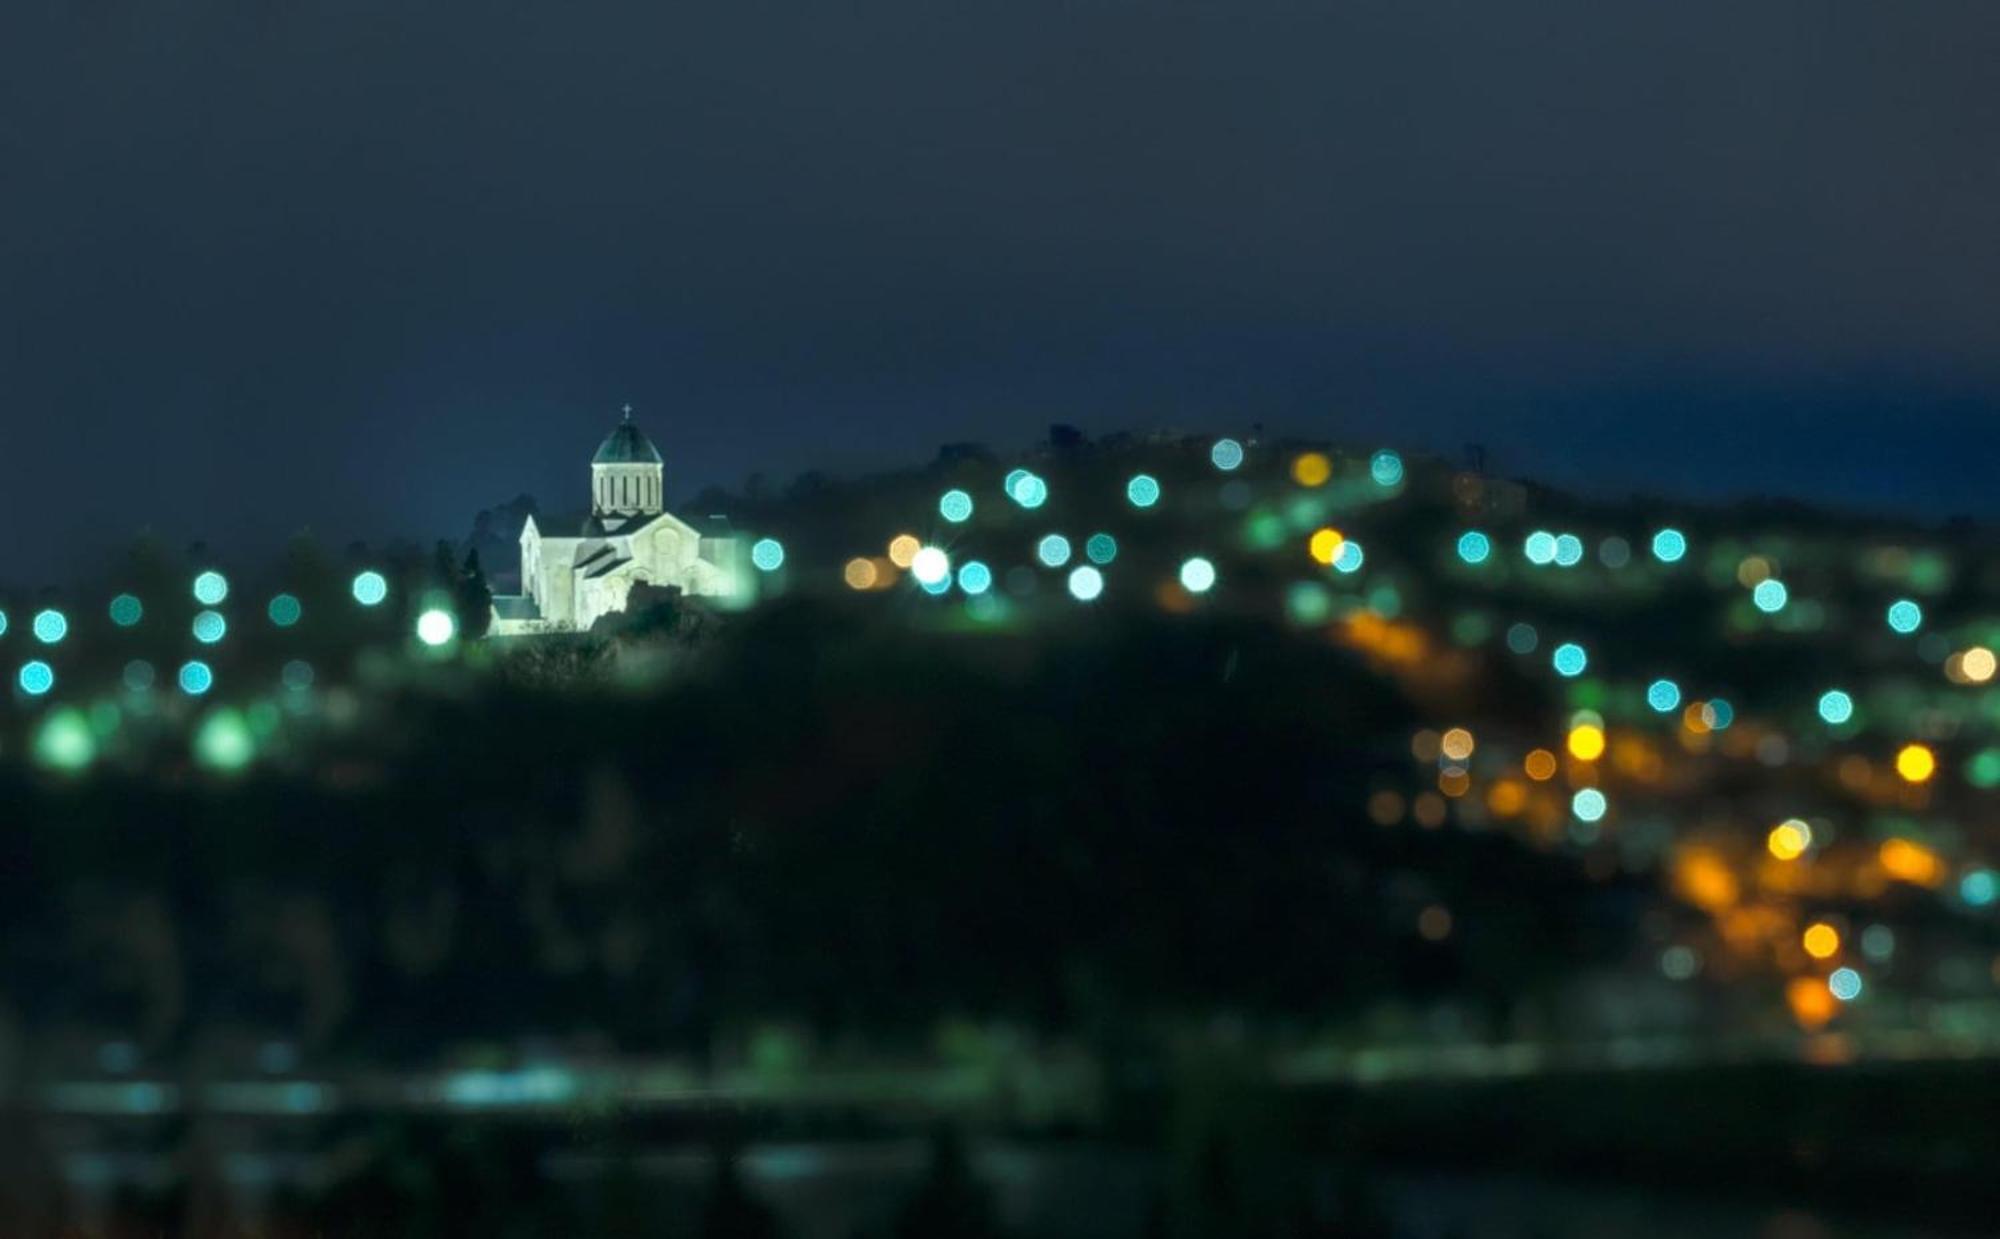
<point>576,569</point>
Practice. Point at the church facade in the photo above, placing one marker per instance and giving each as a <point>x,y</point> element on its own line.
<point>575,570</point>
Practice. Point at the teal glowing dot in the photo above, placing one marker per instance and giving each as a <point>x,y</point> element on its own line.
<point>1349,558</point>
<point>974,577</point>
<point>1835,706</point>
<point>1669,545</point>
<point>297,675</point>
<point>1053,550</point>
<point>1226,455</point>
<point>1086,583</point>
<point>1028,490</point>
<point>3,623</point>
<point>1522,638</point>
<point>1197,575</point>
<point>1878,942</point>
<point>127,610</point>
<point>1770,595</point>
<point>1844,984</point>
<point>139,675</point>
<point>210,588</point>
<point>1143,491</point>
<point>1720,714</point>
<point>1588,804</point>
<point>955,506</point>
<point>1569,550</point>
<point>1663,695</point>
<point>1979,888</point>
<point>767,554</point>
<point>36,678</point>
<point>1307,602</point>
<point>195,677</point>
<point>370,588</point>
<point>65,741</point>
<point>1569,659</point>
<point>285,610</point>
<point>1474,547</point>
<point>210,627</point>
<point>1905,616</point>
<point>51,626</point>
<point>436,627</point>
<point>1539,547</point>
<point>1101,548</point>
<point>223,742</point>
<point>1385,467</point>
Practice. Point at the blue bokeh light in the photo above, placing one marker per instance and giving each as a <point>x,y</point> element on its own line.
<point>50,626</point>
<point>370,588</point>
<point>1101,548</point>
<point>1569,550</point>
<point>955,506</point>
<point>210,627</point>
<point>1226,455</point>
<point>1474,547</point>
<point>975,577</point>
<point>1835,706</point>
<point>195,677</point>
<point>285,610</point>
<point>1539,547</point>
<point>1569,659</point>
<point>1053,550</point>
<point>1386,467</point>
<point>210,588</point>
<point>767,554</point>
<point>1770,595</point>
<point>1905,616</point>
<point>1143,491</point>
<point>1663,695</point>
<point>127,610</point>
<point>1669,545</point>
<point>1588,804</point>
<point>36,678</point>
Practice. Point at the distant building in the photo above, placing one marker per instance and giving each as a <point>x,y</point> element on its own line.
<point>576,569</point>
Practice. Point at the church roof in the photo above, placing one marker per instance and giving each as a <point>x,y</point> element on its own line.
<point>626,445</point>
<point>515,607</point>
<point>593,525</point>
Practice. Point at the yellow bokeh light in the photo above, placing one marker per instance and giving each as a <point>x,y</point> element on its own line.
<point>1325,544</point>
<point>903,549</point>
<point>1977,665</point>
<point>1311,469</point>
<point>1454,782</point>
<point>1385,808</point>
<point>1456,744</point>
<point>1910,862</point>
<point>1916,763</point>
<point>1821,940</point>
<point>1429,810</point>
<point>1753,571</point>
<point>1506,798</point>
<point>1540,765</point>
<point>859,573</point>
<point>1586,743</point>
<point>1810,1002</point>
<point>1788,840</point>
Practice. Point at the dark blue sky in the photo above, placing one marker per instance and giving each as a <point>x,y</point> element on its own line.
<point>369,266</point>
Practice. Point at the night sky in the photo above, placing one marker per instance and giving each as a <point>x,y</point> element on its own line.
<point>371,266</point>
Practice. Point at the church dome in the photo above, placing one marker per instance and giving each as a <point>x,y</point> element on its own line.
<point>626,445</point>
